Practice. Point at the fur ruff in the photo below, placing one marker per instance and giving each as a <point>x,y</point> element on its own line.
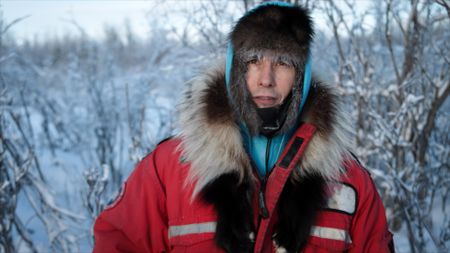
<point>212,143</point>
<point>221,170</point>
<point>210,138</point>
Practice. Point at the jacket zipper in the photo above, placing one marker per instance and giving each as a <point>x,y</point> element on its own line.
<point>263,212</point>
<point>262,190</point>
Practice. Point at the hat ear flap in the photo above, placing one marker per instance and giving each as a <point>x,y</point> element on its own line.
<point>306,82</point>
<point>228,64</point>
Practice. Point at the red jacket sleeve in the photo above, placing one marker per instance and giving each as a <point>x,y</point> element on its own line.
<point>370,231</point>
<point>137,221</point>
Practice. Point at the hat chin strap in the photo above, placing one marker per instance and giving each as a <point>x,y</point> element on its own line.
<point>273,117</point>
<point>270,121</point>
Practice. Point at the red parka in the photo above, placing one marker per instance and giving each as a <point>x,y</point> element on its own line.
<point>154,212</point>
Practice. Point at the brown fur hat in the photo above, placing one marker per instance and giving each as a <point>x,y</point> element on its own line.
<point>284,31</point>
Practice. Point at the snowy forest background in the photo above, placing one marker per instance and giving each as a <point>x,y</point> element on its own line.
<point>77,113</point>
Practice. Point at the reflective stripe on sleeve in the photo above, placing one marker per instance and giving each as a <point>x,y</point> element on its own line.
<point>195,228</point>
<point>331,233</point>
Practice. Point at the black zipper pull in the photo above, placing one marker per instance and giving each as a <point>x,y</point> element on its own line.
<point>262,201</point>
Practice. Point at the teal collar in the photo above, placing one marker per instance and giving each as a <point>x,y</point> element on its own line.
<point>264,151</point>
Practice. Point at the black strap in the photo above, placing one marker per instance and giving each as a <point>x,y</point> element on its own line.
<point>293,150</point>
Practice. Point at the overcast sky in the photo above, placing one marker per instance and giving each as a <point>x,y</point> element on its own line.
<point>53,18</point>
<point>50,18</point>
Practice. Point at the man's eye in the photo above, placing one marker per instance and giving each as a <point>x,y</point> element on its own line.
<point>283,64</point>
<point>253,61</point>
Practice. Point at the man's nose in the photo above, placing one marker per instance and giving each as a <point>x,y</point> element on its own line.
<point>266,77</point>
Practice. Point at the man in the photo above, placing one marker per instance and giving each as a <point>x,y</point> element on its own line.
<point>262,162</point>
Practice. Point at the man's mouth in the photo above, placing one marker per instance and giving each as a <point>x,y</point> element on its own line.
<point>265,101</point>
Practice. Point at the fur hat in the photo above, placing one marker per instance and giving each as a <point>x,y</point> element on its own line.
<point>279,29</point>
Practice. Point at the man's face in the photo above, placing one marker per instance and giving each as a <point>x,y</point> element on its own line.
<point>269,80</point>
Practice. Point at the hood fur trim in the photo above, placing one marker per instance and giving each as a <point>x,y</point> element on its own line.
<point>212,143</point>
<point>332,143</point>
<point>210,138</point>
